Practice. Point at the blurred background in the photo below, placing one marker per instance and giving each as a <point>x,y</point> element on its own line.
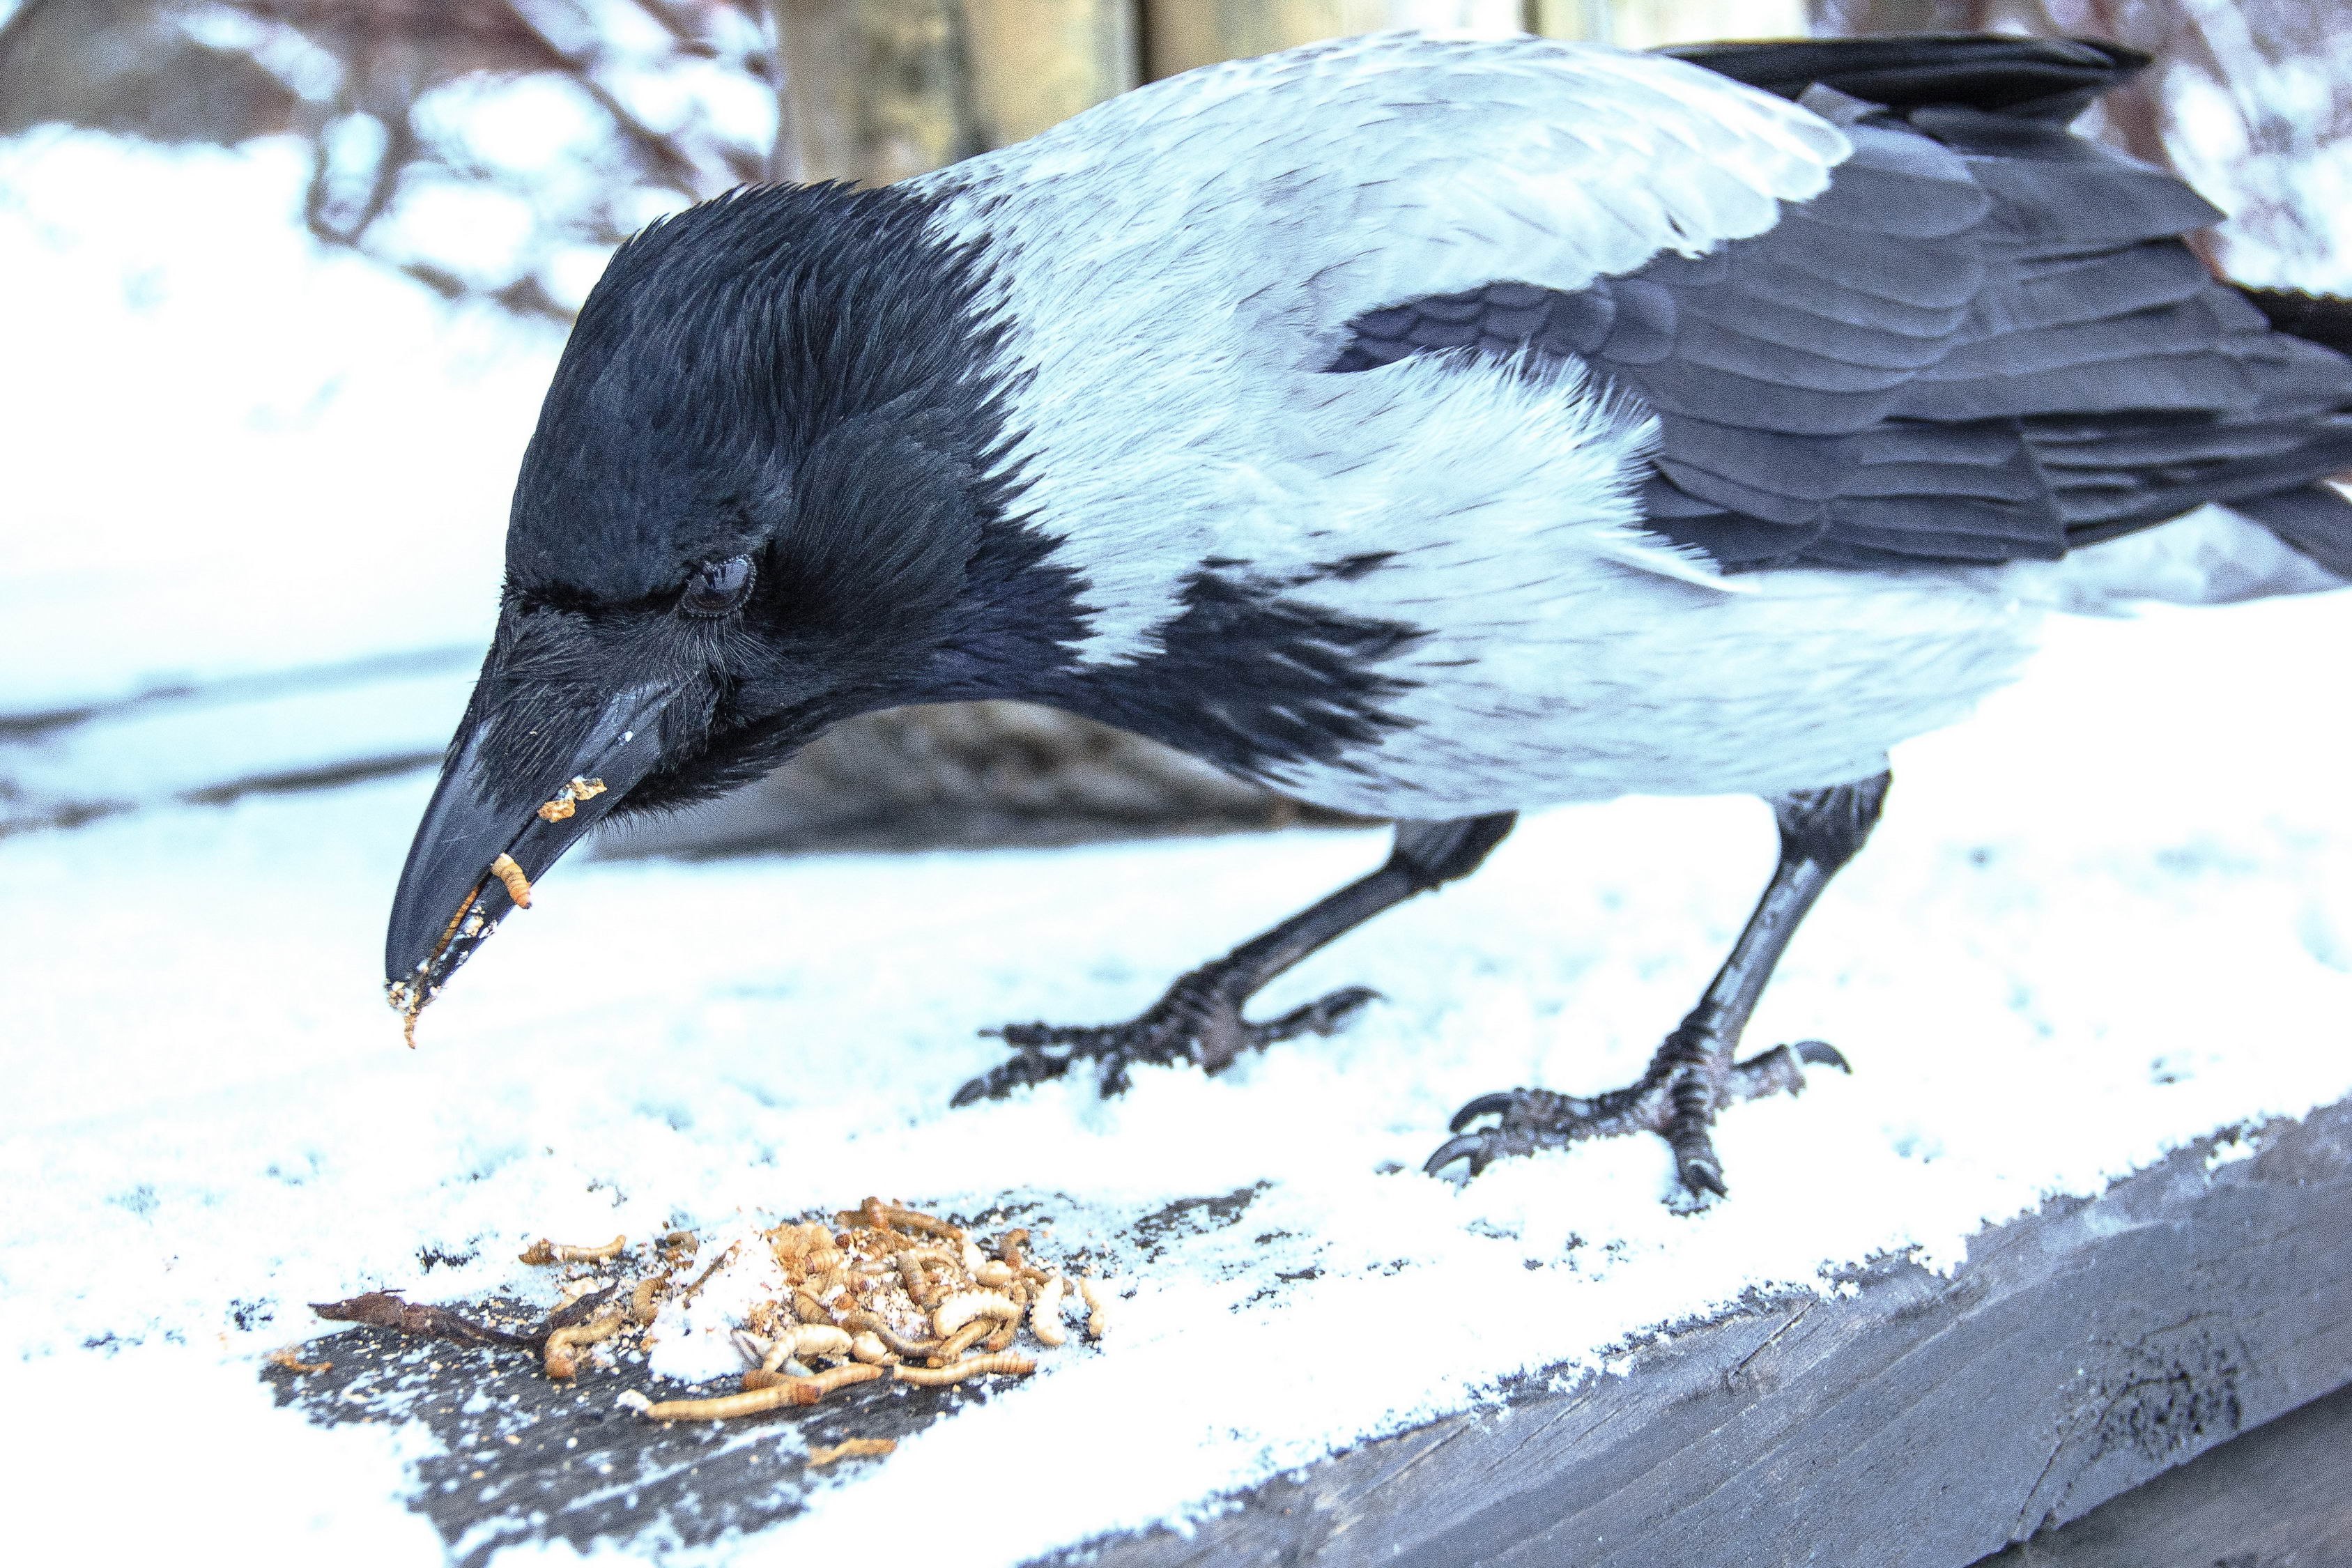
<point>284,280</point>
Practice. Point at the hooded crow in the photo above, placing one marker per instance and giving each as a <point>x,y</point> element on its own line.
<point>1428,429</point>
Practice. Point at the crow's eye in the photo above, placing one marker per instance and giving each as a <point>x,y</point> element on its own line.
<point>718,588</point>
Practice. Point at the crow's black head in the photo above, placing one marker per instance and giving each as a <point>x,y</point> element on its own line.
<point>770,487</point>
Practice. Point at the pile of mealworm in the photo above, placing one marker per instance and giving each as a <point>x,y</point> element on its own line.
<point>888,1291</point>
<point>884,1292</point>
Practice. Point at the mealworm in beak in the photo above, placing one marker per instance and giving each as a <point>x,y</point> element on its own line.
<point>518,885</point>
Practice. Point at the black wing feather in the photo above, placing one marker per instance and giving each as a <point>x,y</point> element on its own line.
<point>1985,342</point>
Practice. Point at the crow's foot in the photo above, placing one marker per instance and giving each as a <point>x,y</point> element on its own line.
<point>1691,1077</point>
<point>1198,1021</point>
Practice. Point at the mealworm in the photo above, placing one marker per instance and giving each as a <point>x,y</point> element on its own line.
<point>518,885</point>
<point>875,1324</point>
<point>1009,1245</point>
<point>1002,1339</point>
<point>544,1251</point>
<point>869,1348</point>
<point>962,1339</point>
<point>1097,1307</point>
<point>642,1306</point>
<point>703,1278</point>
<point>790,1391</point>
<point>884,1216</point>
<point>854,1449</point>
<point>290,1359</point>
<point>973,1259</point>
<point>560,1360</point>
<point>808,1309</point>
<point>1046,1314</point>
<point>995,1275</point>
<point>965,1305</point>
<point>919,1284</point>
<point>1009,1364</point>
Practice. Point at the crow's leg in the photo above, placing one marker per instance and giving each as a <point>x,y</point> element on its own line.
<point>1693,1075</point>
<point>1200,1020</point>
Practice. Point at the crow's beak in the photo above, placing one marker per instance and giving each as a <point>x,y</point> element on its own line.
<point>474,859</point>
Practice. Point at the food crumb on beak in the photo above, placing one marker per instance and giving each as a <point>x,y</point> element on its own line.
<point>518,885</point>
<point>567,800</point>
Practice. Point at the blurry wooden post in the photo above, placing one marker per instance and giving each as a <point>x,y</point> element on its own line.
<point>1647,24</point>
<point>1035,63</point>
<point>878,90</point>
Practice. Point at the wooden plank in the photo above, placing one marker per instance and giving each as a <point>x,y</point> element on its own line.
<point>1922,1420</point>
<point>2277,1497</point>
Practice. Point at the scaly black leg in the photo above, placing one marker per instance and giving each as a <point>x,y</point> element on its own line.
<point>1693,1075</point>
<point>1200,1020</point>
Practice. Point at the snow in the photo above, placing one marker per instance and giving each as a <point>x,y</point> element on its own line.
<point>2109,915</point>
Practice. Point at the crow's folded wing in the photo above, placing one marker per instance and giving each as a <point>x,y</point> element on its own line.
<point>1984,342</point>
<point>1315,184</point>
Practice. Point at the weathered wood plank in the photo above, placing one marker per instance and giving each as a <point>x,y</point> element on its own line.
<point>2277,1497</point>
<point>1923,1421</point>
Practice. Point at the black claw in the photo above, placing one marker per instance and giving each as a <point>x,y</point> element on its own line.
<point>1015,1072</point>
<point>1701,1176</point>
<point>1821,1053</point>
<point>1471,1148</point>
<point>1485,1105</point>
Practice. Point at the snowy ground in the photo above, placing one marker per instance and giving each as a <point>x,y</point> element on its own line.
<point>2110,914</point>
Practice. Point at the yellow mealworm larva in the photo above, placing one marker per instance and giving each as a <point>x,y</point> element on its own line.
<point>1046,1314</point>
<point>518,885</point>
<point>560,1357</point>
<point>962,1339</point>
<point>1009,1364</point>
<point>1009,1245</point>
<point>645,1305</point>
<point>874,1324</point>
<point>775,1396</point>
<point>919,1284</point>
<point>1002,1339</point>
<point>965,1305</point>
<point>973,1257</point>
<point>808,1309</point>
<point>854,1449</point>
<point>869,1348</point>
<point>1097,1307</point>
<point>995,1275</point>
<point>544,1251</point>
<point>291,1358</point>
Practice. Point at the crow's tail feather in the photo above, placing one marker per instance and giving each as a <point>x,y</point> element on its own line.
<point>2322,319</point>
